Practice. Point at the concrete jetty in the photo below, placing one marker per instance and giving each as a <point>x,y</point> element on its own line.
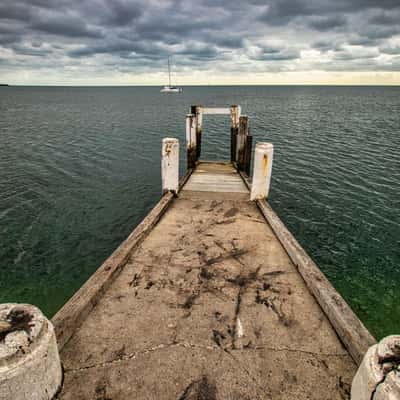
<point>211,297</point>
<point>208,306</point>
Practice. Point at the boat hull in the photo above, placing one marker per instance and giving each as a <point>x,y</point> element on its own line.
<point>167,89</point>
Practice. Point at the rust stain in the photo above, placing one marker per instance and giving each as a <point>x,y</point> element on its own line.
<point>168,149</point>
<point>265,165</point>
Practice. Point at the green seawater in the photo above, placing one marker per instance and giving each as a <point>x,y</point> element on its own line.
<point>80,168</point>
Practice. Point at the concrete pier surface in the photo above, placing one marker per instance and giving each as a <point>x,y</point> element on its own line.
<point>206,305</point>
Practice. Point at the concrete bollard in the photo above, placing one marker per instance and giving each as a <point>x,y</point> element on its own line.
<point>263,157</point>
<point>378,377</point>
<point>170,165</point>
<point>30,366</point>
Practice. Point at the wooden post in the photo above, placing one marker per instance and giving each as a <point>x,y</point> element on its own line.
<point>198,114</point>
<point>170,165</point>
<point>241,140</point>
<point>262,170</point>
<point>234,133</point>
<point>235,114</point>
<point>247,154</point>
<point>191,141</point>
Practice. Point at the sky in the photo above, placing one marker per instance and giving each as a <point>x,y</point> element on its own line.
<point>128,42</point>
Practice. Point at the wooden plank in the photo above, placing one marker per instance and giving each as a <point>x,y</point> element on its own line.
<point>221,172</point>
<point>228,172</point>
<point>219,178</point>
<point>215,189</point>
<point>215,168</point>
<point>216,177</point>
<point>215,182</point>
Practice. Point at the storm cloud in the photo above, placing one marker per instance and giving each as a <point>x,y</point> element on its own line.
<point>94,37</point>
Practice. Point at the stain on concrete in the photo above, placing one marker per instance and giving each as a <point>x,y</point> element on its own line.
<point>231,212</point>
<point>18,319</point>
<point>201,389</point>
<point>222,301</point>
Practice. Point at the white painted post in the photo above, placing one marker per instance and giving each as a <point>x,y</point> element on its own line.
<point>170,165</point>
<point>262,170</point>
<point>191,140</point>
<point>30,366</point>
<point>378,376</point>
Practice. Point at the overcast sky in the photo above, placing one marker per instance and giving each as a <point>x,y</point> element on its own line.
<point>209,41</point>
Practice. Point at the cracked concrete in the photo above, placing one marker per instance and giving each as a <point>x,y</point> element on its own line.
<point>208,305</point>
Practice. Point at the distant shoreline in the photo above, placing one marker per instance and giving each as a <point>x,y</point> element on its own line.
<point>4,84</point>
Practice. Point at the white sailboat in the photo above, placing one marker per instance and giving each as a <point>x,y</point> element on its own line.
<point>170,88</point>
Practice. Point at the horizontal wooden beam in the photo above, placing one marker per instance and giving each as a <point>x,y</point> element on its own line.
<point>216,110</point>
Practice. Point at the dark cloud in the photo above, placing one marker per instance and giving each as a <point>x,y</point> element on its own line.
<point>36,51</point>
<point>379,32</point>
<point>327,23</point>
<point>281,11</point>
<point>254,35</point>
<point>65,25</point>
<point>279,56</point>
<point>385,18</point>
<point>362,41</point>
<point>121,13</point>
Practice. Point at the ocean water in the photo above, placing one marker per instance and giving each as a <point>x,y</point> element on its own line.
<point>80,168</point>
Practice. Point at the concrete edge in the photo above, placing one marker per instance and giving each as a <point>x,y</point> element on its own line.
<point>350,330</point>
<point>77,308</point>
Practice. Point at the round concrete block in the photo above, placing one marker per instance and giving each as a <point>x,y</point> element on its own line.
<point>378,377</point>
<point>30,366</point>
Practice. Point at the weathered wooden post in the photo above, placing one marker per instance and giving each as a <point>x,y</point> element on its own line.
<point>30,366</point>
<point>241,140</point>
<point>378,376</point>
<point>191,142</point>
<point>247,154</point>
<point>235,115</point>
<point>263,157</point>
<point>198,114</point>
<point>170,165</point>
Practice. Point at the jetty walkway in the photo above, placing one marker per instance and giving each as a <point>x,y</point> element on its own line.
<point>209,306</point>
<point>203,301</point>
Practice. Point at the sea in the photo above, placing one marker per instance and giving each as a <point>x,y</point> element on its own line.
<point>80,168</point>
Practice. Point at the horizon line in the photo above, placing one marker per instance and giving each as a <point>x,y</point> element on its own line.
<point>199,85</point>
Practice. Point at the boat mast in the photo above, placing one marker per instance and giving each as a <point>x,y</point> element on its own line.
<point>169,73</point>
